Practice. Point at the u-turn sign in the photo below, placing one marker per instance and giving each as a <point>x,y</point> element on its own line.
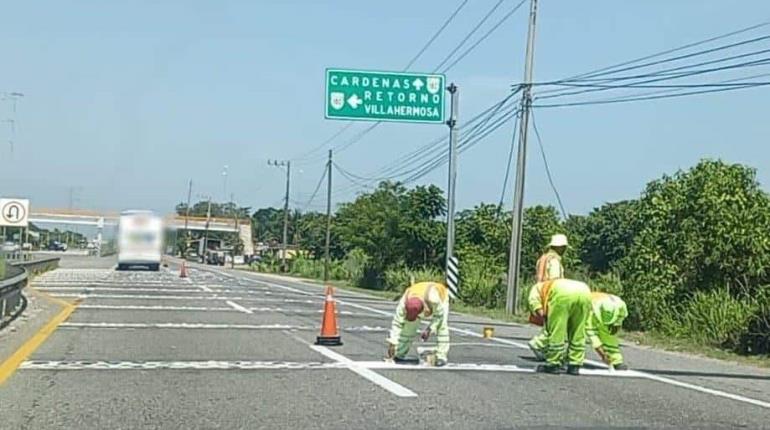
<point>14,212</point>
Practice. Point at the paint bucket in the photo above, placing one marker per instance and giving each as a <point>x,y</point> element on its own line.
<point>427,356</point>
<point>488,332</point>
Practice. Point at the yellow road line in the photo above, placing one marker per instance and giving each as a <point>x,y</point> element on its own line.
<point>49,297</point>
<point>9,366</point>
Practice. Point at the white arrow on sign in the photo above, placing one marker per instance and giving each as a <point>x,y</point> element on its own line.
<point>14,212</point>
<point>418,84</point>
<point>354,101</point>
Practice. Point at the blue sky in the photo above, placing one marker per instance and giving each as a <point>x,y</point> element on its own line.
<point>127,101</point>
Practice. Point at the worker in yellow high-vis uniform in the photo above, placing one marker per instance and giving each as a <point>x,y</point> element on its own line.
<point>420,301</point>
<point>607,314</point>
<point>563,305</point>
<point>549,264</point>
<point>548,267</point>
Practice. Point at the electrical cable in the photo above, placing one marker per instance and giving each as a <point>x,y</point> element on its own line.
<point>469,35</point>
<point>545,163</point>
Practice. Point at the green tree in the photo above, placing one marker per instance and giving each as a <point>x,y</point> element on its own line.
<point>607,235</point>
<point>699,230</point>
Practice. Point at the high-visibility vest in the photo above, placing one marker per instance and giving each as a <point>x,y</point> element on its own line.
<point>542,274</point>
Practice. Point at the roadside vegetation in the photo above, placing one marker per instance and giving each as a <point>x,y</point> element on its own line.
<point>690,255</point>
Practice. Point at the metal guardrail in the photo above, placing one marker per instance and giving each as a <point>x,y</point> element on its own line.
<point>12,301</point>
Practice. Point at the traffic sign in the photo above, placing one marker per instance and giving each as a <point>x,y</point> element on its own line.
<point>14,212</point>
<point>384,96</point>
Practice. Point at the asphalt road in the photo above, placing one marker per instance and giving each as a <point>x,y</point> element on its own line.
<point>228,349</point>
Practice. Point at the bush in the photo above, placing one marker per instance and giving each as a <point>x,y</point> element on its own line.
<point>355,264</point>
<point>607,283</point>
<point>399,277</point>
<point>482,283</point>
<point>307,268</point>
<point>756,337</point>
<point>712,318</point>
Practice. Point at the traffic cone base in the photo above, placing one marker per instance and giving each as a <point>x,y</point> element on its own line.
<point>328,340</point>
<point>329,336</point>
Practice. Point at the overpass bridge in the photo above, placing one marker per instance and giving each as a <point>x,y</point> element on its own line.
<point>175,222</point>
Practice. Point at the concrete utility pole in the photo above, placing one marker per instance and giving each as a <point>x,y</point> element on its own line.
<point>328,216</point>
<point>453,132</point>
<point>186,219</point>
<point>514,261</point>
<point>206,234</point>
<point>285,208</point>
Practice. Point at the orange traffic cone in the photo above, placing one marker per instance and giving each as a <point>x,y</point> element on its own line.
<point>330,335</point>
<point>183,270</point>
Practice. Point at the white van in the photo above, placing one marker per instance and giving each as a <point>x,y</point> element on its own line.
<point>140,239</point>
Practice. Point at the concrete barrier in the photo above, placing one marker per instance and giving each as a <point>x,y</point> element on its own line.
<point>12,300</point>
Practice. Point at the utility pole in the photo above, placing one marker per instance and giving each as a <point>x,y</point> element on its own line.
<point>514,261</point>
<point>186,219</point>
<point>328,216</point>
<point>285,208</point>
<point>453,132</point>
<point>206,234</point>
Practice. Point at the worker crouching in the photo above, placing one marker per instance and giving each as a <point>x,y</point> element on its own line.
<point>607,315</point>
<point>562,306</point>
<point>420,301</point>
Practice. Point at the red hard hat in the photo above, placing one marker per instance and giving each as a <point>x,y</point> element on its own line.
<point>413,307</point>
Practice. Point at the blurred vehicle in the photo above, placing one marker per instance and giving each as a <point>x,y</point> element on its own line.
<point>26,246</point>
<point>140,239</point>
<point>57,246</point>
<point>10,247</point>
<point>216,258</point>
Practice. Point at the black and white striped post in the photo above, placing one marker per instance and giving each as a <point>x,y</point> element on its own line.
<point>453,277</point>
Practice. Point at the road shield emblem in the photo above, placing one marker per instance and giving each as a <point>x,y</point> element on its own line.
<point>337,100</point>
<point>434,84</point>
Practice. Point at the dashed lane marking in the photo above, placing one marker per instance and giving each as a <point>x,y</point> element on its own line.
<point>210,326</point>
<point>238,307</point>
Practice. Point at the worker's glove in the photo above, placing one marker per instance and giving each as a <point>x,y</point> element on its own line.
<point>391,351</point>
<point>603,355</point>
<point>425,334</point>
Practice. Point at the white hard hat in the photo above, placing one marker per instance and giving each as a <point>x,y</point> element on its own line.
<point>558,240</point>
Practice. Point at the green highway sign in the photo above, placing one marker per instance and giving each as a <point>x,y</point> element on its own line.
<point>384,96</point>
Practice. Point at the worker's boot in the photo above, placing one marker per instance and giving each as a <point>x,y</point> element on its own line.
<point>538,354</point>
<point>620,366</point>
<point>441,362</point>
<point>573,370</point>
<point>549,368</point>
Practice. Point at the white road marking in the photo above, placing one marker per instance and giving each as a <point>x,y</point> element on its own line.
<point>363,368</point>
<point>212,326</point>
<point>644,375</point>
<point>205,288</point>
<point>175,365</point>
<point>392,386</point>
<point>238,307</point>
<point>89,295</point>
<point>153,308</point>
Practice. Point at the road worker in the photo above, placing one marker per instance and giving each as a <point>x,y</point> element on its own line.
<point>548,267</point>
<point>563,305</point>
<point>420,301</point>
<point>549,264</point>
<point>607,314</point>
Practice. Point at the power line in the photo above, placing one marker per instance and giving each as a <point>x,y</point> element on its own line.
<point>408,65</point>
<point>508,164</point>
<point>663,75</point>
<point>665,52</point>
<point>315,192</point>
<point>484,37</point>
<point>436,35</point>
<point>547,168</point>
<point>641,98</point>
<point>470,34</point>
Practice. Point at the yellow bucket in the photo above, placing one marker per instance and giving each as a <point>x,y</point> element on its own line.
<point>488,332</point>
